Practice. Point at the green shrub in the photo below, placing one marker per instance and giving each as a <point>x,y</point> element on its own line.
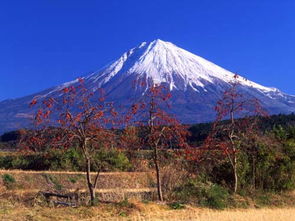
<point>73,180</point>
<point>265,164</point>
<point>111,160</point>
<point>123,214</point>
<point>176,205</point>
<point>20,162</point>
<point>5,162</point>
<point>8,180</point>
<point>275,168</point>
<point>263,199</point>
<point>70,160</point>
<point>125,203</point>
<point>215,197</point>
<point>203,193</point>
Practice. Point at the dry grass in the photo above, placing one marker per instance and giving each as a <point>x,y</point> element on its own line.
<point>113,186</point>
<point>15,206</point>
<point>137,211</point>
<point>113,190</point>
<point>42,180</point>
<point>70,172</point>
<point>226,215</point>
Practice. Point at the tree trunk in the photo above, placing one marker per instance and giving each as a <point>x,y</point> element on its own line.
<point>254,172</point>
<point>91,188</point>
<point>234,163</point>
<point>158,175</point>
<point>235,174</point>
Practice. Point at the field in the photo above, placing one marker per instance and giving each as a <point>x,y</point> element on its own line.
<point>17,204</point>
<point>139,211</point>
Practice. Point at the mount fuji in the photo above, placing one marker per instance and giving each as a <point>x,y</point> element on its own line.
<point>195,84</point>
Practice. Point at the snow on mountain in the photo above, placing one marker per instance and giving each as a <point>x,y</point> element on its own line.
<point>195,83</point>
<point>163,62</point>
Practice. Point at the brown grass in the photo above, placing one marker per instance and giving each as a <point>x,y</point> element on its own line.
<point>137,211</point>
<point>15,206</point>
<point>113,190</point>
<point>42,180</point>
<point>226,215</point>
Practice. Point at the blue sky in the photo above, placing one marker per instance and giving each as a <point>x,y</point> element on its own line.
<point>47,42</point>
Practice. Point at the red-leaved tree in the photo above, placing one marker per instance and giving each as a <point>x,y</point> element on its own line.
<point>77,117</point>
<point>161,130</point>
<point>237,117</point>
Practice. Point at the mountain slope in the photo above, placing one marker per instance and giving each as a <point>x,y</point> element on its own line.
<point>195,83</point>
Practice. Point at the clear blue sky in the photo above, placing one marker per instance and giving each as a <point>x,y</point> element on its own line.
<point>47,42</point>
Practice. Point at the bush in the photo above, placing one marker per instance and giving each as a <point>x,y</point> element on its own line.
<point>203,193</point>
<point>264,163</point>
<point>111,160</point>
<point>125,203</point>
<point>275,168</point>
<point>263,200</point>
<point>215,197</point>
<point>20,162</point>
<point>176,205</point>
<point>5,162</point>
<point>70,160</point>
<point>73,179</point>
<point>8,180</point>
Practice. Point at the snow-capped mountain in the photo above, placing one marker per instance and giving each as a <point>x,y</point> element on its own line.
<point>195,83</point>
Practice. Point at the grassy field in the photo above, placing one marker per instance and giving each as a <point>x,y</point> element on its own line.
<point>139,211</point>
<point>16,202</point>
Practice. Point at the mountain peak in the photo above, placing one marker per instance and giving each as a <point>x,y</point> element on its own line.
<point>155,45</point>
<point>155,42</point>
<point>159,62</point>
<point>159,42</point>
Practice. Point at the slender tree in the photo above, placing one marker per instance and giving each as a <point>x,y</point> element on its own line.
<point>77,118</point>
<point>237,117</point>
<point>162,131</point>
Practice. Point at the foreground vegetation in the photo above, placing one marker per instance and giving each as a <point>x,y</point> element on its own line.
<point>202,183</point>
<point>139,211</point>
<point>243,159</point>
<point>18,201</point>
